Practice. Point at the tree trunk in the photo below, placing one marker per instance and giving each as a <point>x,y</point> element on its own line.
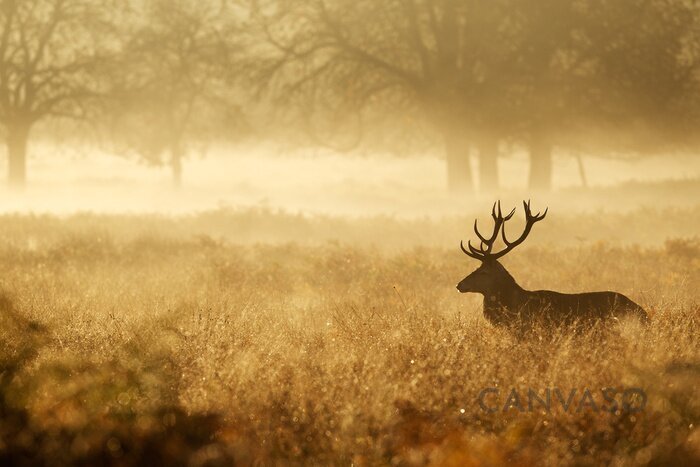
<point>17,138</point>
<point>488,165</point>
<point>582,171</point>
<point>176,166</point>
<point>540,164</point>
<point>459,171</point>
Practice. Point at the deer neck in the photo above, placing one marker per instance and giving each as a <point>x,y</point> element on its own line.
<point>505,293</point>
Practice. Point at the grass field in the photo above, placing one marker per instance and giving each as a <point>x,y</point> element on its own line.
<point>264,338</point>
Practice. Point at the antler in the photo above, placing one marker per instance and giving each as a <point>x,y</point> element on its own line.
<point>484,251</point>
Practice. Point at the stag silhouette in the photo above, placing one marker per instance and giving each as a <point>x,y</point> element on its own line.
<point>508,304</point>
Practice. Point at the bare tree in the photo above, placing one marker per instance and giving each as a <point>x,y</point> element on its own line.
<point>169,88</point>
<point>543,73</point>
<point>602,75</point>
<point>651,70</point>
<point>429,59</point>
<point>49,51</point>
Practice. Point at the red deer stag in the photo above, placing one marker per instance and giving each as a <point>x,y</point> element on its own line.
<point>508,304</point>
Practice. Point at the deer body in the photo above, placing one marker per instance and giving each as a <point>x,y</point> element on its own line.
<point>508,304</point>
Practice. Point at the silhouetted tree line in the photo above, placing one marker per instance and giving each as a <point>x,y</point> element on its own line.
<point>469,76</point>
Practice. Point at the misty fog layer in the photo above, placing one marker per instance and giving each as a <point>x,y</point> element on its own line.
<point>351,107</point>
<point>70,181</point>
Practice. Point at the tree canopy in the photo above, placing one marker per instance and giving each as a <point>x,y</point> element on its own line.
<point>465,76</point>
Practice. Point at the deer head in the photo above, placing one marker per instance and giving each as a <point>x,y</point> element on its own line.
<point>491,275</point>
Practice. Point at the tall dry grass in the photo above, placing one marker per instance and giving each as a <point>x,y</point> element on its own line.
<point>125,341</point>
